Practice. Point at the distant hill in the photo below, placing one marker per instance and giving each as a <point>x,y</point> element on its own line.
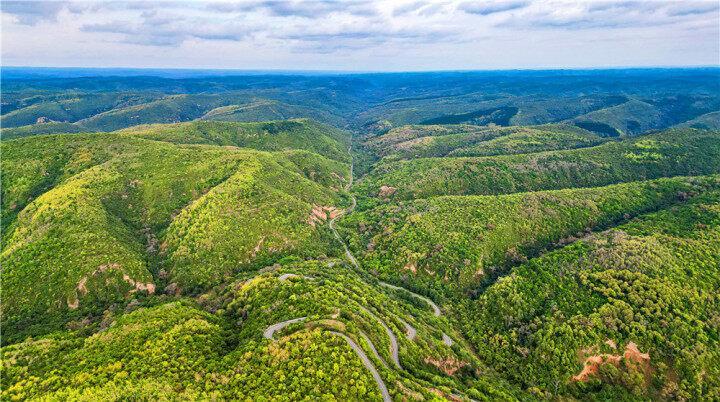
<point>610,103</point>
<point>675,152</point>
<point>708,121</point>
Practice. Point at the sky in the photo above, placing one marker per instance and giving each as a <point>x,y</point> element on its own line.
<point>373,35</point>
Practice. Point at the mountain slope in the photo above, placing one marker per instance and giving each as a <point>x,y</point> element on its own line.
<point>117,207</point>
<point>647,286</point>
<point>674,152</point>
<point>459,243</point>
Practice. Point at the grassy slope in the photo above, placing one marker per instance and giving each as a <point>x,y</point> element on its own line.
<point>674,152</point>
<point>529,140</point>
<point>36,165</point>
<point>169,109</point>
<point>631,118</point>
<point>39,129</point>
<point>431,140</point>
<point>467,140</point>
<point>267,110</point>
<point>708,121</point>
<point>258,213</point>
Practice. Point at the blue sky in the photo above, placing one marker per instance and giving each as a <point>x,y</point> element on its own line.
<point>361,35</point>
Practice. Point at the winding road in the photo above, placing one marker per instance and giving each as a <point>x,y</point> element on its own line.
<point>435,308</point>
<point>393,340</point>
<point>372,347</point>
<point>411,333</point>
<point>368,364</point>
<point>348,254</point>
<point>269,331</point>
<point>358,350</point>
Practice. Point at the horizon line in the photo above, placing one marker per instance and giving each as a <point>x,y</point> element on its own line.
<point>349,72</point>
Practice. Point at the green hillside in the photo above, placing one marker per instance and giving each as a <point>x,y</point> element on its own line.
<point>463,243</point>
<point>630,118</point>
<point>708,121</point>
<point>38,129</point>
<point>70,107</point>
<point>676,152</point>
<point>266,110</point>
<point>467,140</point>
<point>650,282</point>
<point>170,109</point>
<point>162,347</point>
<point>119,209</point>
<point>529,140</point>
<point>268,136</point>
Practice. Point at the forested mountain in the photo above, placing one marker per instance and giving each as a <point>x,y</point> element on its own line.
<point>610,103</point>
<point>535,235</point>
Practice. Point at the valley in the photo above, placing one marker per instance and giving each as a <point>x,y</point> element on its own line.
<point>434,236</point>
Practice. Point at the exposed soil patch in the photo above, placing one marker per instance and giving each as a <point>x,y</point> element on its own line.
<point>448,366</point>
<point>631,355</point>
<point>386,192</point>
<point>320,214</point>
<point>410,266</point>
<point>82,290</point>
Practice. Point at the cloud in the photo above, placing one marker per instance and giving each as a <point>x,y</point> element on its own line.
<point>409,7</point>
<point>319,8</point>
<point>295,8</point>
<point>152,28</point>
<point>492,7</point>
<point>456,33</point>
<point>694,8</point>
<point>32,12</point>
<point>563,15</point>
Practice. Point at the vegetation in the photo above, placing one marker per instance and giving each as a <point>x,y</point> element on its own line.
<point>37,129</point>
<point>267,136</point>
<point>462,242</point>
<point>68,107</point>
<point>651,281</point>
<point>118,208</point>
<point>216,349</point>
<point>676,152</point>
<point>202,238</point>
<point>466,140</point>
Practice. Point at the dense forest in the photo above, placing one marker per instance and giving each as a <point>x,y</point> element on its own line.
<point>535,235</point>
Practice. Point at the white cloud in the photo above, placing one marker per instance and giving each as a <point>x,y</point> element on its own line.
<point>361,35</point>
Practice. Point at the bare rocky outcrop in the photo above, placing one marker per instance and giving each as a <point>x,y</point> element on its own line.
<point>631,355</point>
<point>320,214</point>
<point>172,289</point>
<point>448,366</point>
<point>386,192</point>
<point>81,288</point>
